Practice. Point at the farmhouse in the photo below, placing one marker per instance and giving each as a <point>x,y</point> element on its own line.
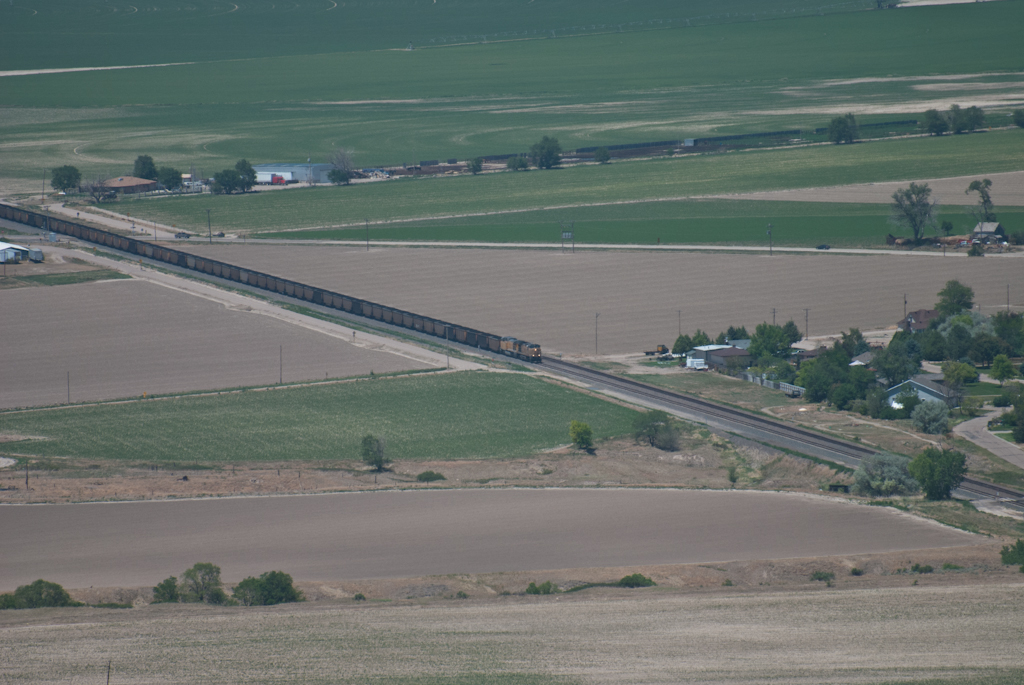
<point>925,386</point>
<point>129,184</point>
<point>988,230</point>
<point>293,173</point>
<point>918,321</point>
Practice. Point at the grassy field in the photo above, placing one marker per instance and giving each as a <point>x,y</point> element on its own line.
<point>729,222</point>
<point>61,279</point>
<point>621,182</point>
<point>397,106</point>
<point>98,33</point>
<point>450,416</point>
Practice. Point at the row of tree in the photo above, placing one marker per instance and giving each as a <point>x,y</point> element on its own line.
<point>914,210</point>
<point>241,178</point>
<point>202,584</point>
<point>935,471</point>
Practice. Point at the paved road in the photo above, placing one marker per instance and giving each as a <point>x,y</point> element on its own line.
<point>976,430</point>
<point>401,534</point>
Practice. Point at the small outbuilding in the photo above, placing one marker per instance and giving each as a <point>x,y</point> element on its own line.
<point>14,253</point>
<point>721,359</point>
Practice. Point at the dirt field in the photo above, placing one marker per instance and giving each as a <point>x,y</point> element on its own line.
<point>968,634</point>
<point>395,534</point>
<point>123,338</point>
<point>1007,191</point>
<point>552,298</point>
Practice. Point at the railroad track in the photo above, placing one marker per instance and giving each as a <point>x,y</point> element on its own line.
<point>757,427</point>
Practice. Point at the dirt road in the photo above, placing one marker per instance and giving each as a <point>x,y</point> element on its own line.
<point>396,534</point>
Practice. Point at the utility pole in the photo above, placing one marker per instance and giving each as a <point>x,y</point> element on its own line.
<point>42,194</point>
<point>680,313</point>
<point>904,306</point>
<point>69,387</point>
<point>773,316</point>
<point>280,365</point>
<point>769,240</point>
<point>595,332</point>
<point>367,222</point>
<point>209,227</point>
<point>807,317</point>
<point>1007,298</point>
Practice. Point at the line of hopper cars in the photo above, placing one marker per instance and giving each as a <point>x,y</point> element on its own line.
<point>511,347</point>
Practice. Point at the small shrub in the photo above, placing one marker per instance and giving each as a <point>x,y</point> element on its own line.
<point>824,576</point>
<point>272,587</point>
<point>581,436</point>
<point>545,588</point>
<point>1013,554</point>
<point>733,476</point>
<point>636,580</point>
<point>430,477</point>
<point>1003,400</point>
<point>976,251</point>
<point>951,567</point>
<point>918,568</point>
<point>727,583</point>
<point>359,597</point>
<point>856,571</point>
<point>931,417</point>
<point>461,595</point>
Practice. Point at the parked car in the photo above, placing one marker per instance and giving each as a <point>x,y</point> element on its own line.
<point>182,234</point>
<point>824,246</point>
<point>219,234</point>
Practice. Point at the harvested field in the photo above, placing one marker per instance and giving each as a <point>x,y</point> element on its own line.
<point>123,338</point>
<point>969,635</point>
<point>395,534</point>
<point>1007,191</point>
<point>551,297</point>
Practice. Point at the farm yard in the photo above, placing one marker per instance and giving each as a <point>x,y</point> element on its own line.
<point>551,297</point>
<point>127,337</point>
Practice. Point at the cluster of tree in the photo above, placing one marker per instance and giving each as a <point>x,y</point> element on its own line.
<point>65,178</point>
<point>602,156</point>
<point>1018,117</point>
<point>202,584</point>
<point>842,130</point>
<point>830,377</point>
<point>38,595</point>
<point>684,343</point>
<point>1013,396</point>
<point>956,119</point>
<point>545,154</point>
<point>167,177</point>
<point>935,471</point>
<point>242,177</point>
<point>913,209</point>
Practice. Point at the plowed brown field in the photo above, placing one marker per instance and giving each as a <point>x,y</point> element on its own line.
<point>551,298</point>
<point>126,337</point>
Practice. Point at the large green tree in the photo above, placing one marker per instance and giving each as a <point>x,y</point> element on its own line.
<point>985,211</point>
<point>169,177</point>
<point>913,209</point>
<point>246,175</point>
<point>954,298</point>
<point>144,167</point>
<point>842,129</point>
<point>547,153</point>
<point>1002,369</point>
<point>935,122</point>
<point>64,178</point>
<point>770,340</point>
<point>201,583</point>
<point>938,471</point>
<point>371,449</point>
<point>227,181</point>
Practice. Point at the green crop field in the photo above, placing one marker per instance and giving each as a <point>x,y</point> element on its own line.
<point>725,222</point>
<point>398,106</point>
<point>626,181</point>
<point>467,415</point>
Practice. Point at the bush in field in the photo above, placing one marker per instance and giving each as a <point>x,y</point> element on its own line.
<point>273,587</point>
<point>921,568</point>
<point>547,153</point>
<point>201,583</point>
<point>166,591</point>
<point>823,576</point>
<point>884,475</point>
<point>1013,554</point>
<point>856,571</point>
<point>37,595</point>
<point>517,163</point>
<point>545,588</point>
<point>636,580</point>
<point>931,417</point>
<point>602,156</point>
<point>581,435</point>
<point>655,428</point>
<point>429,477</point>
<point>476,165</point>
<point>938,471</point>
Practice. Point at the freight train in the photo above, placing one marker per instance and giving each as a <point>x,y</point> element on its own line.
<point>520,349</point>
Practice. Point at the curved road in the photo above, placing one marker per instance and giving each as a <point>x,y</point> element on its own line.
<point>415,533</point>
